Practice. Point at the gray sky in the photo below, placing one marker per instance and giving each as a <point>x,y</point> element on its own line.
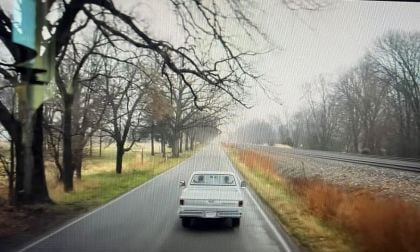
<point>309,43</point>
<point>322,42</point>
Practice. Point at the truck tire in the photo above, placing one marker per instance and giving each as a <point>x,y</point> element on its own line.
<point>236,222</point>
<point>186,222</point>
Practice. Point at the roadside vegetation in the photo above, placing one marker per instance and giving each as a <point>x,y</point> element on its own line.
<point>111,78</point>
<point>375,223</point>
<point>98,186</point>
<point>327,217</point>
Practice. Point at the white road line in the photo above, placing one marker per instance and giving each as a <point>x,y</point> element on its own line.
<point>263,214</point>
<point>101,207</point>
<point>270,224</point>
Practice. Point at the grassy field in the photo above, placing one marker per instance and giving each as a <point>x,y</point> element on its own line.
<point>327,217</point>
<point>99,184</point>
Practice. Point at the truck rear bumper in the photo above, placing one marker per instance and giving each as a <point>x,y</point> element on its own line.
<point>213,213</point>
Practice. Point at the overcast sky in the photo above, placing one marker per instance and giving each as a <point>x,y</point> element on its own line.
<point>322,42</point>
<point>308,43</point>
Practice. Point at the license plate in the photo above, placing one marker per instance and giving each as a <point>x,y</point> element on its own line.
<point>210,214</point>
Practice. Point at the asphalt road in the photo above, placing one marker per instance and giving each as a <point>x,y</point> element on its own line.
<point>145,219</point>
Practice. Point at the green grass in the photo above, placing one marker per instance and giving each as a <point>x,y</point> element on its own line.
<point>100,183</point>
<point>91,192</point>
<point>100,188</point>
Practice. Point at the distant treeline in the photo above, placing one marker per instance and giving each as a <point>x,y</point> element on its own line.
<point>373,107</point>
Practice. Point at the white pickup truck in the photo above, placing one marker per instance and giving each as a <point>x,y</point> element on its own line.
<point>211,194</point>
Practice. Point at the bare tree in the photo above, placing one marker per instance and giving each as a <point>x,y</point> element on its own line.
<point>372,108</point>
<point>157,111</point>
<point>225,70</point>
<point>257,132</point>
<point>397,56</point>
<point>362,94</point>
<point>185,115</point>
<point>70,76</point>
<point>323,119</point>
<point>125,96</point>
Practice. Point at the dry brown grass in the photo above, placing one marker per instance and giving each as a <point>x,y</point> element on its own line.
<point>377,223</point>
<point>257,161</point>
<point>260,172</point>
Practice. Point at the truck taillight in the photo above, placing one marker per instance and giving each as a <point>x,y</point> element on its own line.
<point>181,202</point>
<point>241,203</point>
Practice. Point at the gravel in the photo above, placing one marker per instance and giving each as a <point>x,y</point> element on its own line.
<point>388,182</point>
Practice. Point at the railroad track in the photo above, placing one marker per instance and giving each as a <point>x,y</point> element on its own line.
<point>412,165</point>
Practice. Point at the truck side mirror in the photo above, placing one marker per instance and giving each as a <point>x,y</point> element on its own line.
<point>181,183</point>
<point>243,183</point>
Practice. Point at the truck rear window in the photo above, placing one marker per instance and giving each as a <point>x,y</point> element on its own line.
<point>213,180</point>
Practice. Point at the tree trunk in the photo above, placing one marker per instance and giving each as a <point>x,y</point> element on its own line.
<point>90,146</point>
<point>163,146</point>
<point>19,166</point>
<point>100,145</point>
<point>14,128</point>
<point>152,142</point>
<point>354,132</point>
<point>372,137</point>
<point>77,161</point>
<point>11,177</point>
<point>28,125</point>
<point>192,143</point>
<point>180,142</point>
<point>418,142</point>
<point>175,145</point>
<point>355,145</point>
<point>31,185</point>
<point>119,160</point>
<point>39,192</point>
<point>55,149</point>
<point>418,138</point>
<point>186,143</point>
<point>68,171</point>
<point>78,168</point>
